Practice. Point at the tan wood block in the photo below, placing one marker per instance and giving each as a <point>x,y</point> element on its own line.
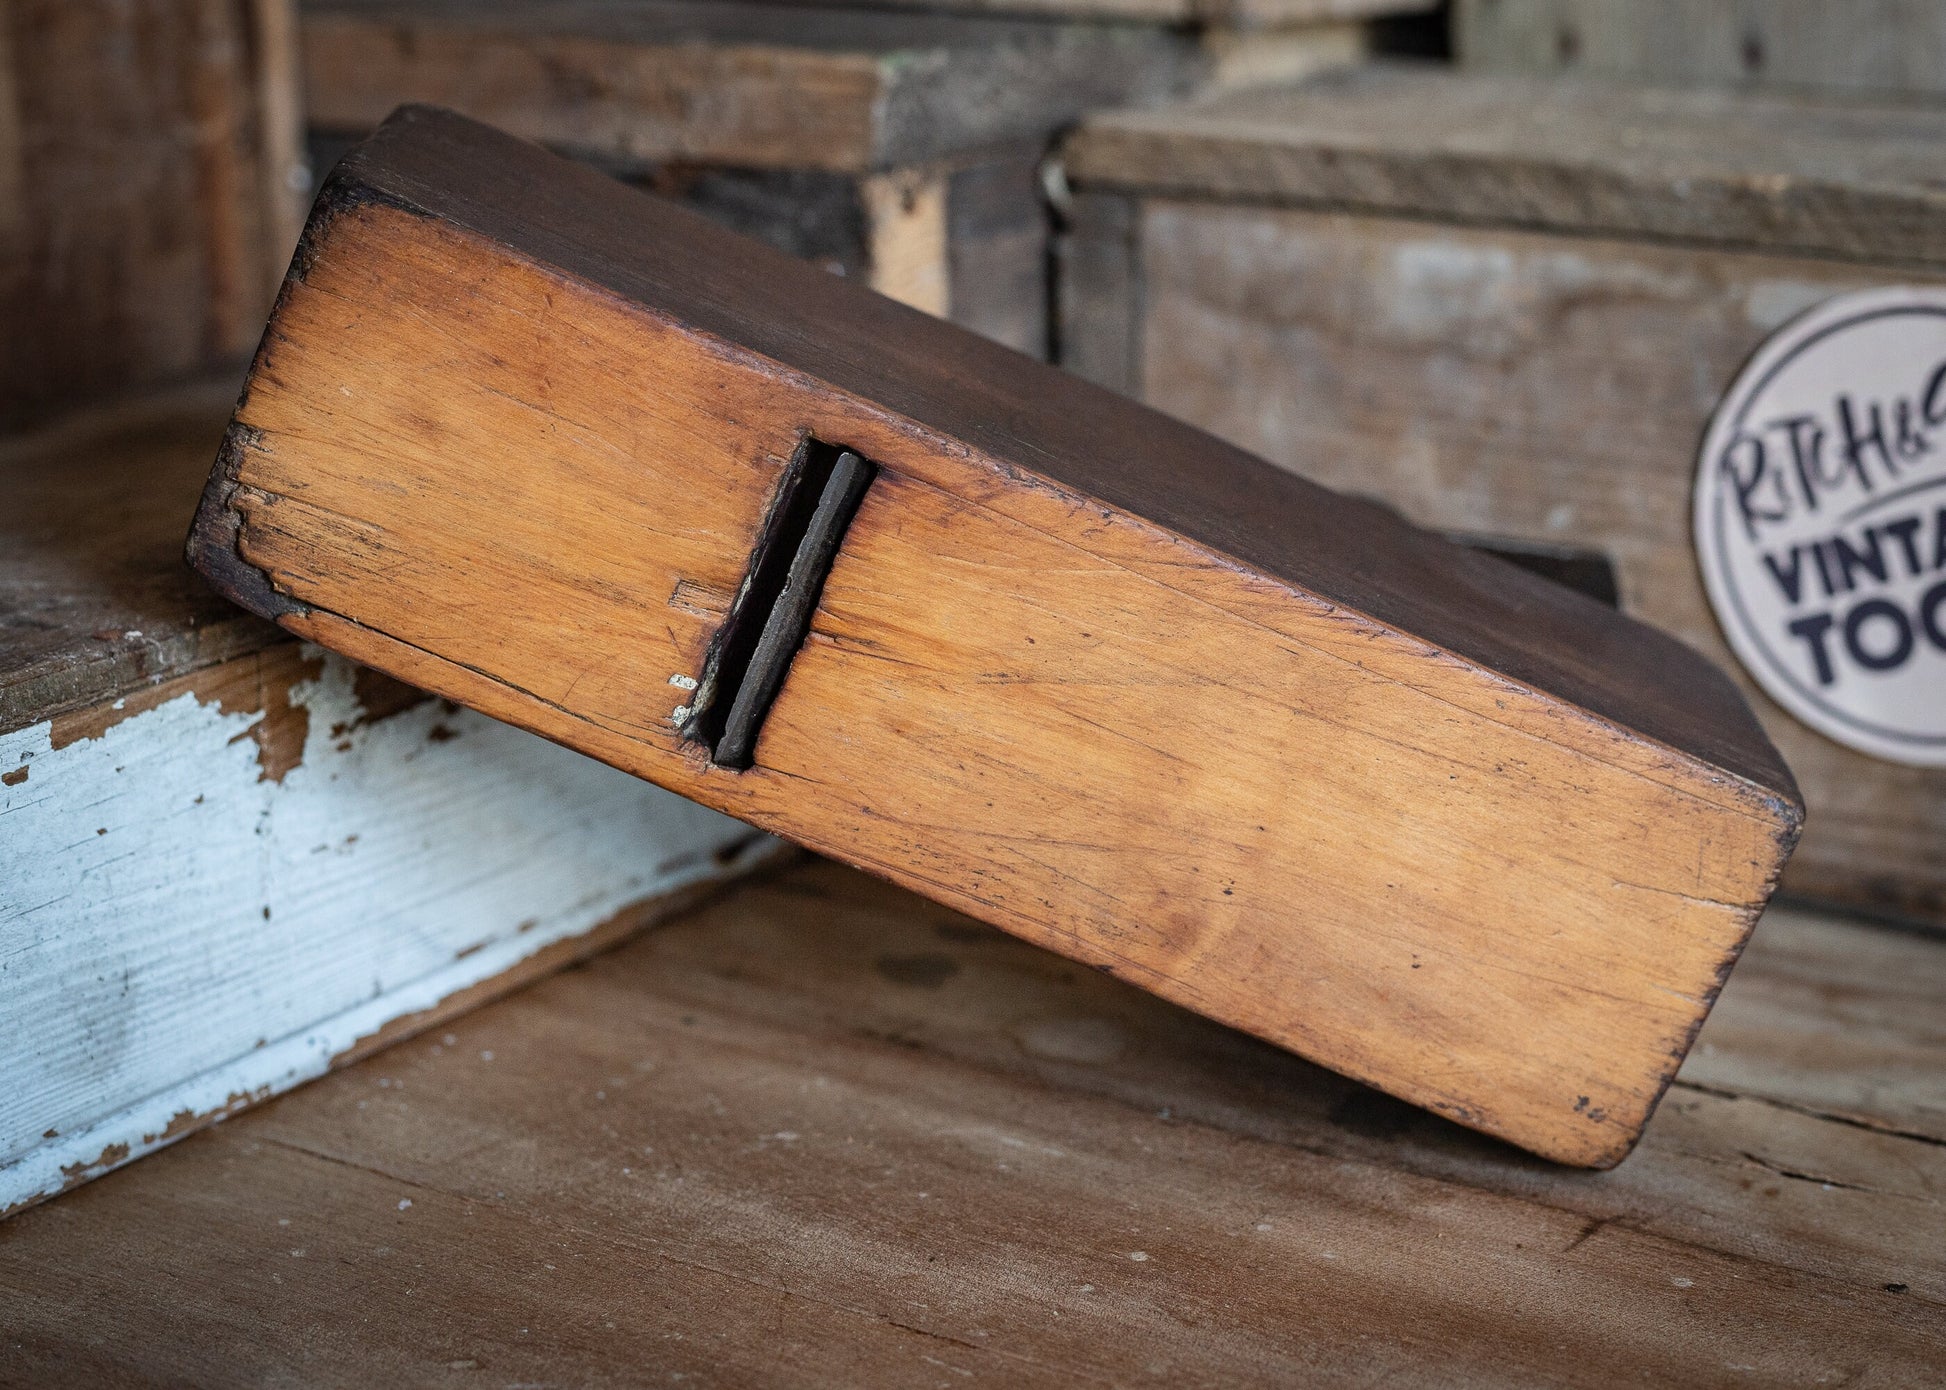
<point>1086,673</point>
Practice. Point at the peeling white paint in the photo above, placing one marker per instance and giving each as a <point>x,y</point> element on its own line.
<point>179,936</point>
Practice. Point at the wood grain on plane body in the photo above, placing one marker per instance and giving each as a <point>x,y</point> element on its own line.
<point>521,436</point>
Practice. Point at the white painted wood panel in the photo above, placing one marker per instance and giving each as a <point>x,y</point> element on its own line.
<point>187,924</point>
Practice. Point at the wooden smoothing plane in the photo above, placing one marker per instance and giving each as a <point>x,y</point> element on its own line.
<point>577,458</point>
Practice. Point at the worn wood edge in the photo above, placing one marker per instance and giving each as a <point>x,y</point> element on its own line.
<point>1129,152</point>
<point>212,548</point>
<point>211,1097</point>
<point>30,702</point>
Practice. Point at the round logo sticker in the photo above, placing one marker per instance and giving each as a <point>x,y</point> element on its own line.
<point>1821,520</point>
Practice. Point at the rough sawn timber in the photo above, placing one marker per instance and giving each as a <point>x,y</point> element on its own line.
<point>1080,670</point>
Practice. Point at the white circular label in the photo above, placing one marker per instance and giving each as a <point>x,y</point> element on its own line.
<point>1821,520</point>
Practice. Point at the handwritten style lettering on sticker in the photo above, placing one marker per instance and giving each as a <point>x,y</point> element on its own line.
<point>1820,520</point>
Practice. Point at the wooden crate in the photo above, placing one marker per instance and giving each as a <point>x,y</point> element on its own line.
<point>229,862</point>
<point>903,150</point>
<point>151,187</point>
<point>824,1133</point>
<point>1509,307</point>
<point>1863,47</point>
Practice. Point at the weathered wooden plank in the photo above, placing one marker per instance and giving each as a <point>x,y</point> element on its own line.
<point>150,192</point>
<point>1786,175</point>
<point>1707,1173</point>
<point>1544,387</point>
<point>1249,14</point>
<point>826,1131</point>
<point>218,887</point>
<point>227,862</point>
<point>1076,668</point>
<point>744,85</point>
<point>899,150</point>
<point>94,601</point>
<point>1842,1022</point>
<point>1881,48</point>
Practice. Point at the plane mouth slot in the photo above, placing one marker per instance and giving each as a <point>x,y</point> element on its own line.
<point>819,495</point>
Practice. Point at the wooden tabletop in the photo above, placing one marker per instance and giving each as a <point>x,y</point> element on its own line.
<point>821,1132</point>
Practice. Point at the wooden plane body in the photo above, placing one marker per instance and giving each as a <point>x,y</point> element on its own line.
<point>528,439</point>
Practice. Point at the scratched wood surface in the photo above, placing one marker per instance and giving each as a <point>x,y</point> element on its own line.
<point>1546,383</point>
<point>823,1132</point>
<point>151,189</point>
<point>1153,702</point>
